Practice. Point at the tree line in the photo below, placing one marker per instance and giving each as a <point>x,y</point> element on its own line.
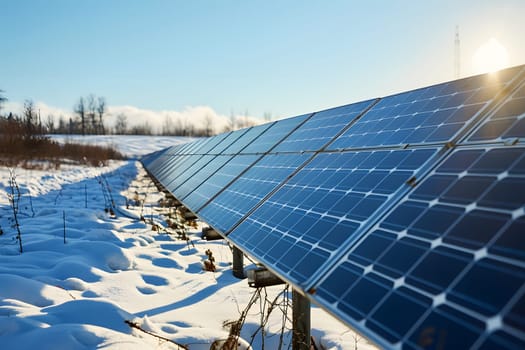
<point>90,116</point>
<point>24,139</point>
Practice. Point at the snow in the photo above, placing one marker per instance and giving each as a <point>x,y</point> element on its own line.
<point>132,146</point>
<point>113,269</point>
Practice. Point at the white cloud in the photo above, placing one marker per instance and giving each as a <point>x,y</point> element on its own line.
<point>196,116</point>
<point>13,107</point>
<point>40,107</point>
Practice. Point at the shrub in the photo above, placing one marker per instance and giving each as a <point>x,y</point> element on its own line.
<point>21,145</point>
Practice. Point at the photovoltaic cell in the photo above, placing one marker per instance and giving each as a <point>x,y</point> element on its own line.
<point>194,163</point>
<point>181,148</point>
<point>153,158</point>
<point>209,144</point>
<point>321,128</point>
<point>323,206</point>
<point>171,165</point>
<point>436,114</point>
<point>218,180</point>
<point>169,175</point>
<point>248,190</point>
<point>159,163</point>
<point>227,141</point>
<point>246,139</point>
<point>502,340</point>
<point>278,130</point>
<point>169,161</point>
<point>508,122</point>
<point>201,175</point>
<point>443,245</point>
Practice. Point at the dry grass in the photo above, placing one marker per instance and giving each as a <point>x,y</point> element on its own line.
<point>32,150</point>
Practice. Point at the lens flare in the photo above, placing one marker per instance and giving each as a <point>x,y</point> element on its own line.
<point>490,57</point>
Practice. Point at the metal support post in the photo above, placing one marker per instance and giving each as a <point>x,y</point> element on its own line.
<point>238,263</point>
<point>300,321</point>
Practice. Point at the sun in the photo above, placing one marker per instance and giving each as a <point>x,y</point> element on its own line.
<point>490,57</point>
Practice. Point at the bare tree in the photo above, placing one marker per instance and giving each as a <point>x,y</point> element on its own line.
<point>39,123</point>
<point>92,113</point>
<point>142,129</point>
<point>244,120</point>
<point>29,116</point>
<point>50,124</point>
<point>3,99</point>
<point>189,128</point>
<point>121,126</point>
<point>208,125</point>
<point>62,126</point>
<point>232,125</point>
<point>101,109</point>
<point>80,109</point>
<point>72,126</point>
<point>167,126</point>
<point>178,128</point>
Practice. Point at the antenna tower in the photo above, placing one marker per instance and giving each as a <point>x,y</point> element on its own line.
<point>457,65</point>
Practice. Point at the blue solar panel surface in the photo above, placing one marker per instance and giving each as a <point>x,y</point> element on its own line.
<point>176,178</point>
<point>323,206</point>
<point>438,251</point>
<point>321,128</point>
<point>278,130</point>
<point>196,178</point>
<point>218,180</point>
<point>247,138</point>
<point>208,145</point>
<point>507,123</point>
<point>239,198</point>
<point>402,216</point>
<point>436,114</point>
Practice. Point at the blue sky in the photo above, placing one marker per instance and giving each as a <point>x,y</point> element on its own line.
<point>281,57</point>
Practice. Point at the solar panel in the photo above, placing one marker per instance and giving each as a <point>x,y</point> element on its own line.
<point>159,161</point>
<point>218,180</point>
<point>247,138</point>
<point>188,167</point>
<point>437,252</point>
<point>191,180</point>
<point>402,216</point>
<point>324,206</point>
<point>160,164</point>
<point>507,123</point>
<point>437,114</point>
<point>176,164</point>
<point>182,148</point>
<point>206,145</point>
<point>169,165</point>
<point>239,198</point>
<point>154,157</point>
<point>321,128</point>
<point>278,130</point>
<point>228,141</point>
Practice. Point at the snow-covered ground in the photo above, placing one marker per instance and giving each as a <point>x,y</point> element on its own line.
<point>131,146</point>
<point>114,274</point>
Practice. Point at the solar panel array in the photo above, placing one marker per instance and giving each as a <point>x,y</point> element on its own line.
<point>402,216</point>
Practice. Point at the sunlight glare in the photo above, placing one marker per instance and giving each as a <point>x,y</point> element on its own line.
<point>490,57</point>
